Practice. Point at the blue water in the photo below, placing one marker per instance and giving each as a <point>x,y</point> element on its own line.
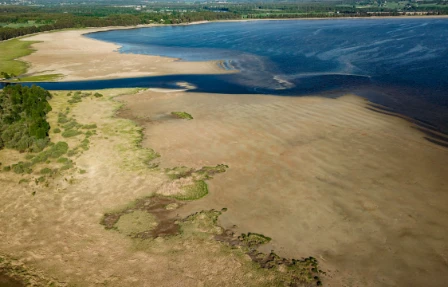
<point>400,63</point>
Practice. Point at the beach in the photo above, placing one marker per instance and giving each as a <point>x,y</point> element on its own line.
<point>337,179</point>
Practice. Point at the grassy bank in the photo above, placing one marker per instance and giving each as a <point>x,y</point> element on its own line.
<point>11,50</point>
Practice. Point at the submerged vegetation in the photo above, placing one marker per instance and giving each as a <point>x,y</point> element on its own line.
<point>195,186</point>
<point>155,217</point>
<point>182,115</point>
<point>23,122</point>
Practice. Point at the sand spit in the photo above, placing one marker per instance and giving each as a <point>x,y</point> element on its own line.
<point>361,191</point>
<point>76,57</point>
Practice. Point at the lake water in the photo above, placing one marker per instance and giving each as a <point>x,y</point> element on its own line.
<point>400,63</point>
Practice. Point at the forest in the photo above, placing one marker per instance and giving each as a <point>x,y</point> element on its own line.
<point>23,118</point>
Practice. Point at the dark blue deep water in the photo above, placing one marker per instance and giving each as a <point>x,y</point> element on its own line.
<point>400,63</point>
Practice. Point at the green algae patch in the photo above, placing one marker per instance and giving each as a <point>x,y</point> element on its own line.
<point>182,115</point>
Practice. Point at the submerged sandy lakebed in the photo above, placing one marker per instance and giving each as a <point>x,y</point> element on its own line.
<point>362,192</point>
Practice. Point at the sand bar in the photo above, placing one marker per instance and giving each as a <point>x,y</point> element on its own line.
<point>77,57</point>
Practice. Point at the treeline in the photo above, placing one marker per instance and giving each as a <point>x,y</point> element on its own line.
<point>23,118</point>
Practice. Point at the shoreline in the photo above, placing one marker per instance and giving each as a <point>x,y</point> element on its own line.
<point>90,30</point>
<point>328,178</point>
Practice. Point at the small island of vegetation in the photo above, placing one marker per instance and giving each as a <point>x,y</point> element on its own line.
<point>182,115</point>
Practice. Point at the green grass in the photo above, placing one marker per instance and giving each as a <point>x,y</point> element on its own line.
<point>10,51</point>
<point>70,133</point>
<point>40,78</point>
<point>89,127</point>
<point>46,171</point>
<point>182,115</point>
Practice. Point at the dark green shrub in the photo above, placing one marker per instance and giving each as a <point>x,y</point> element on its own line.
<point>45,171</point>
<point>22,167</point>
<point>70,133</point>
<point>57,130</point>
<point>64,160</point>
<point>89,127</point>
<point>58,149</point>
<point>62,118</point>
<point>67,166</point>
<point>97,95</point>
<point>72,152</point>
<point>39,145</point>
<point>72,124</point>
<point>75,99</point>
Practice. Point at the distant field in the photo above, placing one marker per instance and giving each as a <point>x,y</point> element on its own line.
<point>11,50</point>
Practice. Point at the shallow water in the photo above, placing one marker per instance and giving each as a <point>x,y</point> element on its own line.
<point>400,63</point>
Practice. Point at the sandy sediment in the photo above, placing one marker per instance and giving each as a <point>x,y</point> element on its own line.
<point>76,57</point>
<point>363,192</point>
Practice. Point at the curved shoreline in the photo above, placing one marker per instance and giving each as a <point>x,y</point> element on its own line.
<point>77,57</point>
